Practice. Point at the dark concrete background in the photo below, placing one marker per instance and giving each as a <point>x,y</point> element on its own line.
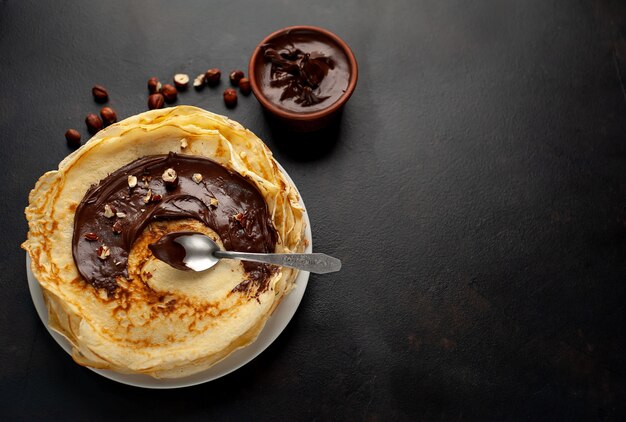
<point>475,191</point>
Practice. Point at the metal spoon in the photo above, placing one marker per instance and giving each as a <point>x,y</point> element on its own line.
<point>197,252</point>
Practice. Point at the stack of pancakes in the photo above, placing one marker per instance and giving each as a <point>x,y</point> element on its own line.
<point>159,321</point>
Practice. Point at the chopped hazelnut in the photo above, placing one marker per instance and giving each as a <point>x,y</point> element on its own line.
<point>148,196</point>
<point>240,218</point>
<point>117,227</point>
<point>183,143</point>
<point>120,215</point>
<point>103,252</point>
<point>109,211</point>
<point>181,80</point>
<point>91,236</point>
<point>199,81</point>
<point>197,177</point>
<point>214,202</point>
<point>169,176</point>
<point>132,181</point>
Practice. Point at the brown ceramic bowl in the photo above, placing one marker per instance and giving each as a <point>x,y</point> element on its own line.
<point>302,121</point>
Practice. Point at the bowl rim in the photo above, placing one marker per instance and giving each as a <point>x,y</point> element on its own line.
<point>275,109</point>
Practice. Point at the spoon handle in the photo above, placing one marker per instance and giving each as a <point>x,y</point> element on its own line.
<point>317,263</point>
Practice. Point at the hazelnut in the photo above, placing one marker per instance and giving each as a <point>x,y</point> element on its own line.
<point>198,83</point>
<point>154,85</point>
<point>214,202</point>
<point>94,123</point>
<point>91,236</point>
<point>108,115</point>
<point>181,81</point>
<point>117,227</point>
<point>235,76</point>
<point>109,211</point>
<point>132,181</point>
<point>103,252</point>
<point>244,86</point>
<point>213,76</point>
<point>169,93</point>
<point>73,138</point>
<point>230,97</point>
<point>100,94</point>
<point>170,178</point>
<point>197,177</point>
<point>156,101</point>
<point>240,218</point>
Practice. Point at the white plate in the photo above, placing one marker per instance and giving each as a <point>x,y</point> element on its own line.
<point>274,326</point>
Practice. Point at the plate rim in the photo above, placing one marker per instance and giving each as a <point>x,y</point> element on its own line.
<point>272,329</point>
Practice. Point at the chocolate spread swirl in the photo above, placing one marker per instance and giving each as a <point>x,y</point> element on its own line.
<point>298,73</point>
<point>222,200</point>
<point>307,71</point>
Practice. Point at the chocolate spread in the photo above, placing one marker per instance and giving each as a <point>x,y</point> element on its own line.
<point>304,71</point>
<point>222,200</point>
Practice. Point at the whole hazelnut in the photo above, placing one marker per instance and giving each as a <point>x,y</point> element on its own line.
<point>108,115</point>
<point>235,76</point>
<point>169,93</point>
<point>213,76</point>
<point>181,81</point>
<point>244,86</point>
<point>73,138</point>
<point>230,97</point>
<point>94,123</point>
<point>99,93</point>
<point>198,82</point>
<point>154,85</point>
<point>156,101</point>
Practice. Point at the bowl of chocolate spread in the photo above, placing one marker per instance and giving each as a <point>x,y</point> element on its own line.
<point>303,76</point>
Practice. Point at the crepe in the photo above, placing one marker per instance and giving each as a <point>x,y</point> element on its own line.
<point>161,322</point>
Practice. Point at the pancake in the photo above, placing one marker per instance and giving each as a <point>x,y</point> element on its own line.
<point>128,311</point>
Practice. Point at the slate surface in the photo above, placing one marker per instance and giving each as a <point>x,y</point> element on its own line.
<point>475,191</point>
